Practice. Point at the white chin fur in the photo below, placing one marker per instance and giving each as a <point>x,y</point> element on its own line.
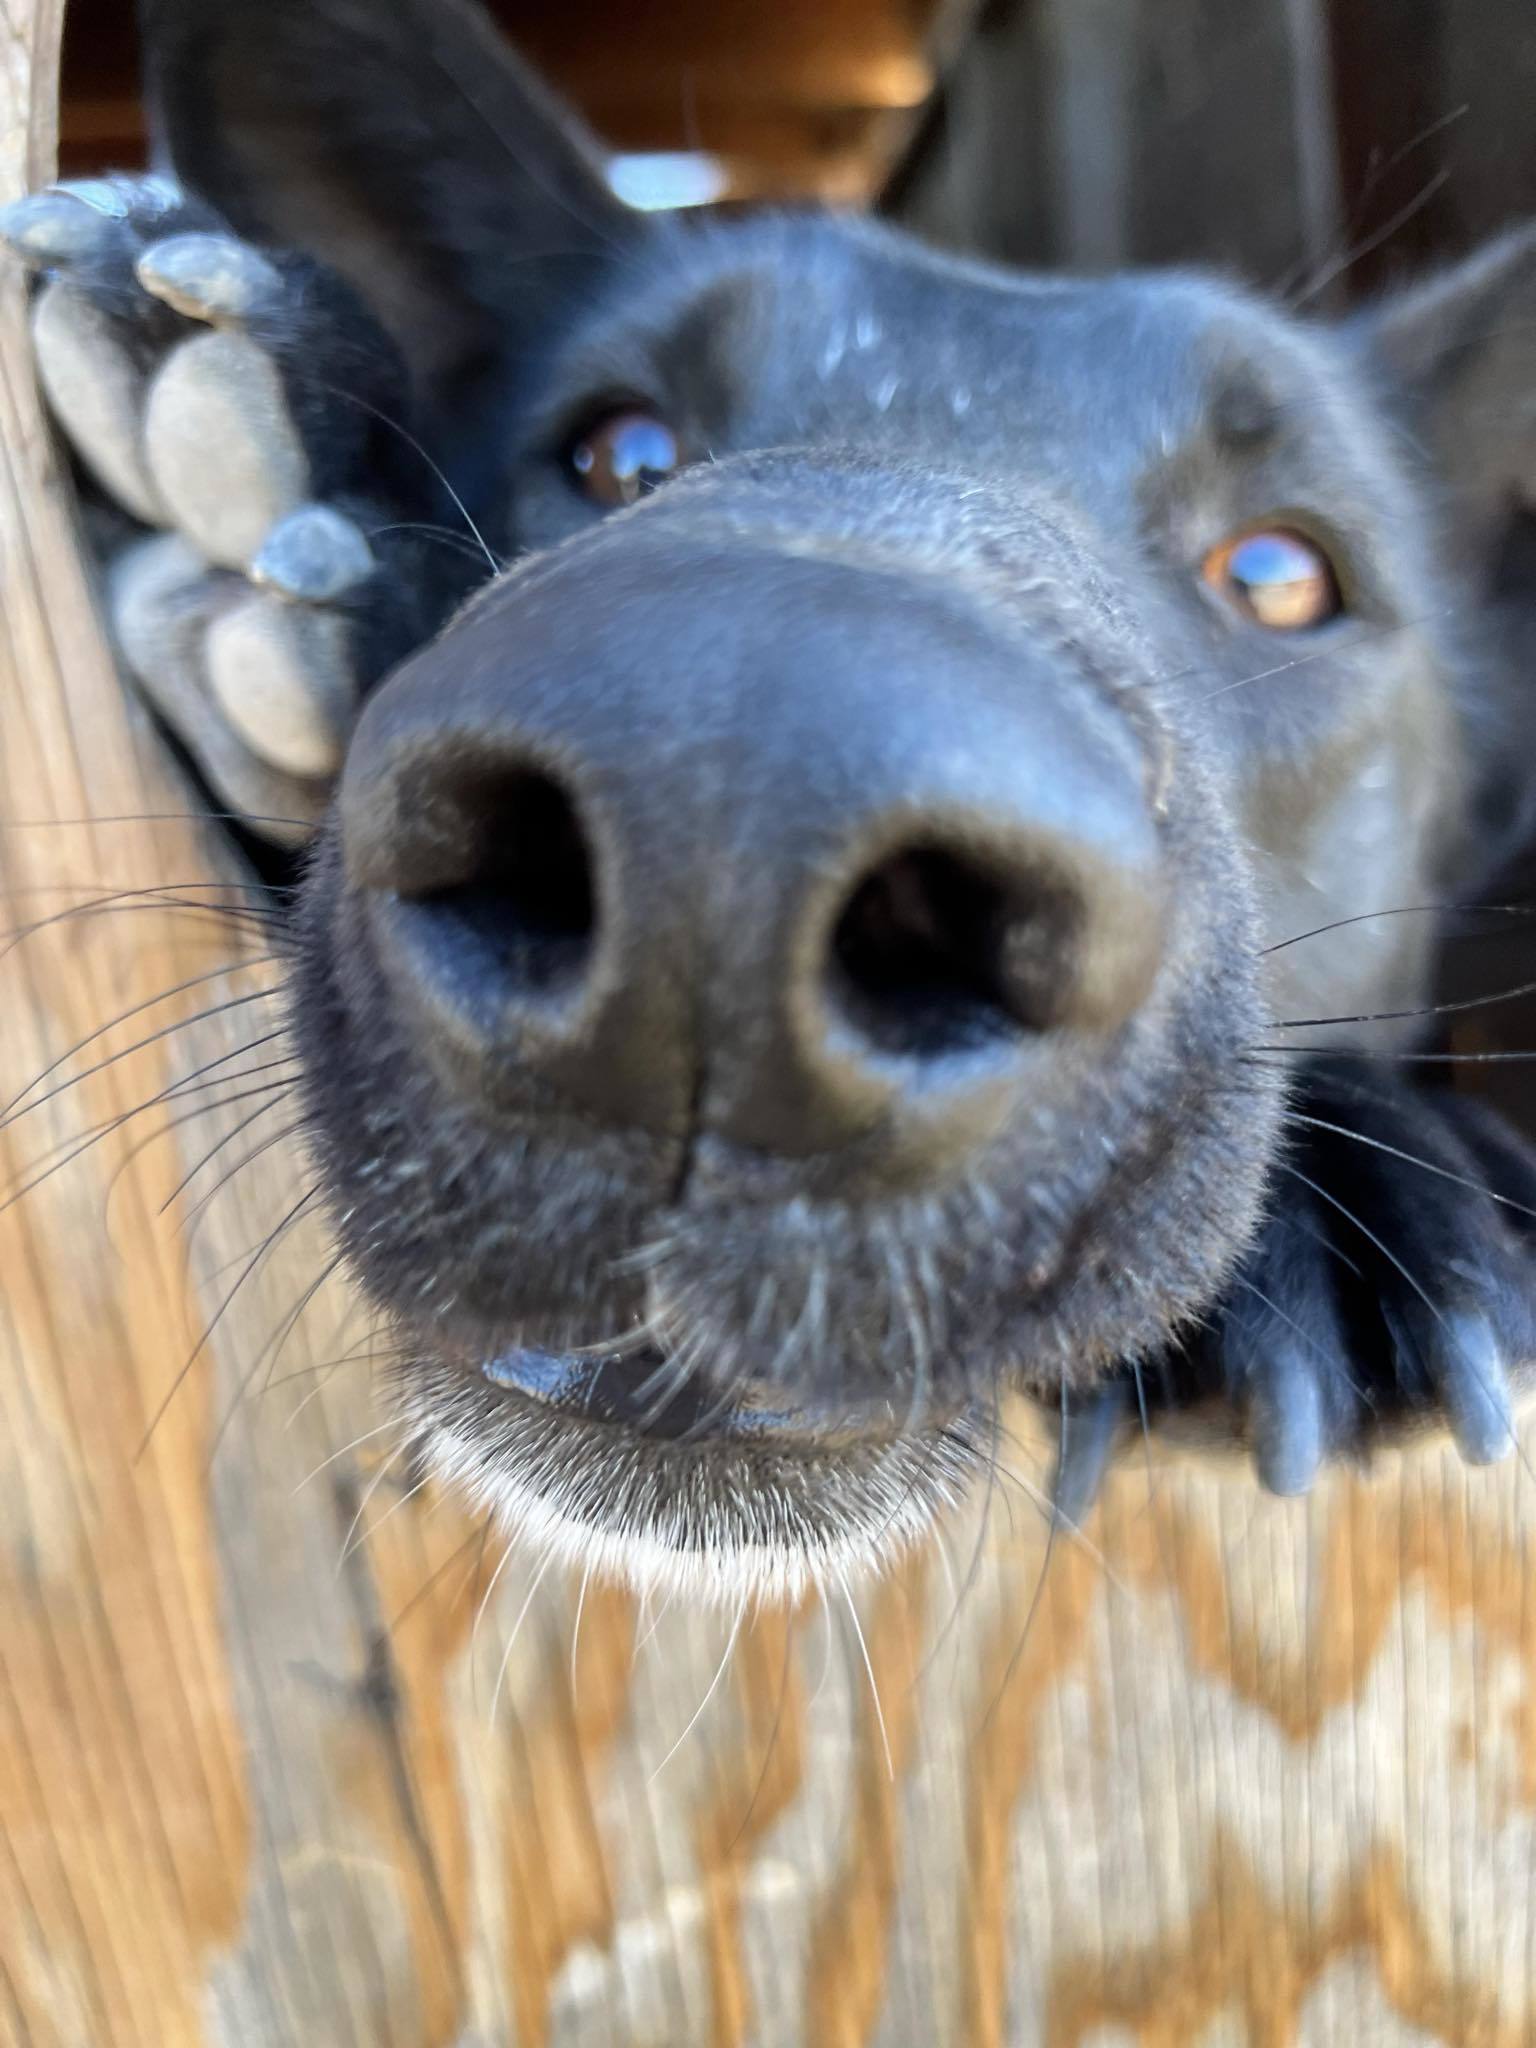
<point>721,1526</point>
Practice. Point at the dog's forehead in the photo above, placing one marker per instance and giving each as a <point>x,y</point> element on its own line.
<point>841,324</point>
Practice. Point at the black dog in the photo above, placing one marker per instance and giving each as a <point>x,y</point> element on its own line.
<point>884,902</point>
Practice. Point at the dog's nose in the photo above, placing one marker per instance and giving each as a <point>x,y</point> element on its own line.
<point>756,844</point>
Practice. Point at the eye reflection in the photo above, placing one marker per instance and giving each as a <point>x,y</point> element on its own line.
<point>1278,578</point>
<point>623,456</point>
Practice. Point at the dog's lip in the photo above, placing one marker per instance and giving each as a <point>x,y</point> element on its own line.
<point>629,1390</point>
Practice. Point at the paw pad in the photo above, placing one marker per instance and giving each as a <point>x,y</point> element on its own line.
<point>189,372</point>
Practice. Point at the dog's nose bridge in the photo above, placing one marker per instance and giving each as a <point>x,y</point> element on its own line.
<point>928,853</point>
<point>758,841</point>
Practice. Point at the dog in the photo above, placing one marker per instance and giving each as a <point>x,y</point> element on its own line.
<point>880,825</point>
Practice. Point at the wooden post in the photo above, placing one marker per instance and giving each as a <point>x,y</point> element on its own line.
<point>290,1754</point>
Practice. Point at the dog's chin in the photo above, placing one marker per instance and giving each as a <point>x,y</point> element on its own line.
<point>726,1499</point>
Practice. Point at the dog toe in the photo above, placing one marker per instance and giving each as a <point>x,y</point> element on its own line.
<point>95,385</point>
<point>1285,1419</point>
<point>283,677</point>
<point>222,390</point>
<point>1466,1364</point>
<point>213,278</point>
<point>316,555</point>
<point>169,609</point>
<point>1090,1425</point>
<point>54,229</point>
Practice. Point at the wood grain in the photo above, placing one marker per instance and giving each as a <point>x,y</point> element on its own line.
<point>293,1752</point>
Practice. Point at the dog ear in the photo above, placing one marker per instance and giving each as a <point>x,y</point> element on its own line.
<point>402,143</point>
<point>1458,356</point>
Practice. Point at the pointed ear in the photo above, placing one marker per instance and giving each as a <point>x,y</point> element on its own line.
<point>1457,357</point>
<point>1456,360</point>
<point>398,141</point>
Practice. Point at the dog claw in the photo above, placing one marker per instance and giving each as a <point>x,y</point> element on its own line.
<point>1341,1333</point>
<point>1089,1425</point>
<point>53,228</point>
<point>1469,1373</point>
<point>140,198</point>
<point>315,555</point>
<point>1286,1423</point>
<point>213,278</point>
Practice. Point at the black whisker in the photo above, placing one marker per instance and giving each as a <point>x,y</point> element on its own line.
<point>201,1206</point>
<point>773,1732</point>
<point>212,1153</point>
<point>1339,924</point>
<point>1503,995</point>
<point>1428,1059</point>
<point>1373,241</point>
<point>10,1113</point>
<point>1295,1172</point>
<point>1377,170</point>
<point>128,902</point>
<point>175,1123</point>
<point>96,1133</point>
<point>278,1231</point>
<point>171,891</point>
<point>272,1350</point>
<point>396,427</point>
<point>444,535</point>
<point>973,1568</point>
<point>1317,1123</point>
<point>162,818</point>
<point>368,1351</point>
<point>1249,1287</point>
<point>452,1558</point>
<point>1053,1529</point>
<point>1328,653</point>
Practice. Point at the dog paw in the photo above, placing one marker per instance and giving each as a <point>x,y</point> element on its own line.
<point>1390,1292</point>
<point>232,401</point>
<point>1393,1288</point>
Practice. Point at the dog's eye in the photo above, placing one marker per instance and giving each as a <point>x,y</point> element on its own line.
<point>1279,579</point>
<point>624,455</point>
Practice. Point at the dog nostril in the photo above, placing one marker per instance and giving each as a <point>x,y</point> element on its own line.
<point>526,900</point>
<point>934,953</point>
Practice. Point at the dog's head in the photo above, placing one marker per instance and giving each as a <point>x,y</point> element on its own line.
<point>794,956</point>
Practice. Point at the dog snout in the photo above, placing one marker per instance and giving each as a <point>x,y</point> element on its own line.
<point>744,841</point>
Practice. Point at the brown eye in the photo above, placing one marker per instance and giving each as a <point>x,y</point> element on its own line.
<point>624,456</point>
<point>1279,579</point>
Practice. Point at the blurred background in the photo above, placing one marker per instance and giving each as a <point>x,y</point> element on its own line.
<point>1320,146</point>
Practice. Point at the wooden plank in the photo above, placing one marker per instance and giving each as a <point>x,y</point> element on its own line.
<point>1437,144</point>
<point>1322,146</point>
<point>1088,136</point>
<point>1225,1769</point>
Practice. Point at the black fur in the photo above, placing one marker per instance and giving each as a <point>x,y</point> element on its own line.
<point>1062,455</point>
